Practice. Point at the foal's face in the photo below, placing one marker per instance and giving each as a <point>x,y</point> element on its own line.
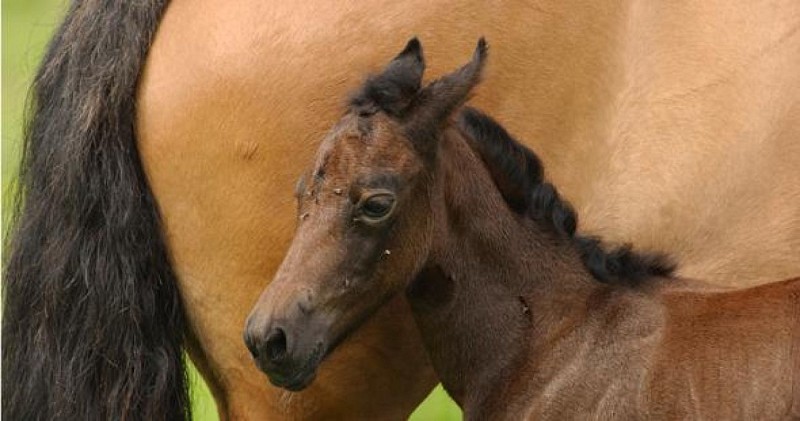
<point>352,249</point>
<point>364,219</point>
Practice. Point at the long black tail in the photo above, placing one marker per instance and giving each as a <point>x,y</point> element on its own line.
<point>92,320</point>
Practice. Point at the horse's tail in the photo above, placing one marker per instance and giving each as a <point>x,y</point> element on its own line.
<point>92,321</point>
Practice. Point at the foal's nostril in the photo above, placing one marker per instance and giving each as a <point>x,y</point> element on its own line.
<point>275,346</point>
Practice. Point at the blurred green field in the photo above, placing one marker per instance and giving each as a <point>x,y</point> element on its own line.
<point>26,27</point>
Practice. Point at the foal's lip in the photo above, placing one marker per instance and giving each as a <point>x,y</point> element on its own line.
<point>303,377</point>
<point>296,383</point>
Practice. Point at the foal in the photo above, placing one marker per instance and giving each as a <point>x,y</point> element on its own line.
<point>521,317</point>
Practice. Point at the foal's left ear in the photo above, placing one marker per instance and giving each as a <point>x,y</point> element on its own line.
<point>436,102</point>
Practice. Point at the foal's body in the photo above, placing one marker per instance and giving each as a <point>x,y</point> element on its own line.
<point>516,325</point>
<point>519,314</point>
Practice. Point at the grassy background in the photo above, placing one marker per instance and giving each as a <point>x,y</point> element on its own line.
<point>26,28</point>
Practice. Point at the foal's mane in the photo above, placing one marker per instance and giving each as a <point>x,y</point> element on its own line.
<point>518,174</point>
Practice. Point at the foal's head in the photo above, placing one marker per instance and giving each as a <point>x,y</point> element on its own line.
<point>353,249</point>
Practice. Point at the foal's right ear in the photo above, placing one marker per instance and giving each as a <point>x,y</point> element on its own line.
<point>436,102</point>
<point>393,89</point>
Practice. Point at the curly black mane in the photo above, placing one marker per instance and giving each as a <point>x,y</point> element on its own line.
<point>518,173</point>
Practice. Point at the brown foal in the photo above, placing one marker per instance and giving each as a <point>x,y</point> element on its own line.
<point>522,317</point>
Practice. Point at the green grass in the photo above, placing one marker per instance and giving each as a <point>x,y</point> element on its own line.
<point>27,26</point>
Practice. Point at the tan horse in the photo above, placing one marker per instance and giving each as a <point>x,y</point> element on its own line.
<point>523,318</point>
<point>670,125</point>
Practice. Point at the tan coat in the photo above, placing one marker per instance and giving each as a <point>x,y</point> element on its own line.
<point>674,126</point>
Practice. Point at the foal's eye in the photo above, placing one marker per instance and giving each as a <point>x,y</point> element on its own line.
<point>377,206</point>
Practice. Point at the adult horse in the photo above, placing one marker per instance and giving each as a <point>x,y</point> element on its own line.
<point>670,125</point>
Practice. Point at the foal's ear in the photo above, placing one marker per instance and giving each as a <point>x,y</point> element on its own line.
<point>393,90</point>
<point>437,101</point>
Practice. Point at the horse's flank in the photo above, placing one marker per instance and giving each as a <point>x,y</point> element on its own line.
<point>669,125</point>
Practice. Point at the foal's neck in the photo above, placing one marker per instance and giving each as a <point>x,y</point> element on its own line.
<point>496,282</point>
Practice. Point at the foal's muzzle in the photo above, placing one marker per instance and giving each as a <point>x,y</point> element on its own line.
<point>287,350</point>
